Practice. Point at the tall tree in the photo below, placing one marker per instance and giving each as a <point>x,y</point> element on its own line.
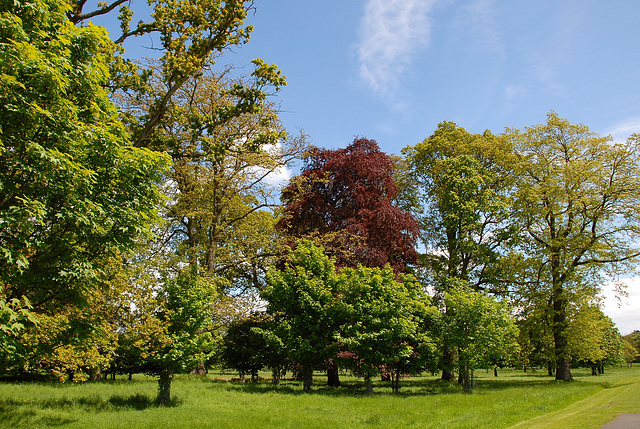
<point>578,207</point>
<point>345,198</point>
<point>73,190</point>
<point>461,184</point>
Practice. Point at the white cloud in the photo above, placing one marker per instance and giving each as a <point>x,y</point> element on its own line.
<point>390,33</point>
<point>623,130</point>
<point>624,310</point>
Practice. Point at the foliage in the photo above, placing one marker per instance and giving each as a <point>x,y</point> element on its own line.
<point>219,183</point>
<point>188,341</point>
<point>594,338</point>
<point>344,198</point>
<point>15,315</point>
<point>249,346</point>
<point>629,352</point>
<point>634,339</point>
<point>302,296</point>
<point>577,206</point>
<point>73,189</point>
<point>387,324</point>
<point>480,327</point>
<point>461,182</point>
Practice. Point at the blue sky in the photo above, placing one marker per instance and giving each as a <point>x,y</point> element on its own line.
<point>391,70</point>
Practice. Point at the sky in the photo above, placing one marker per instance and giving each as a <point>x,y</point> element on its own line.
<point>391,70</point>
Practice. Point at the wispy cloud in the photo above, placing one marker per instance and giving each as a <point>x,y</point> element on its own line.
<point>391,31</point>
<point>620,132</point>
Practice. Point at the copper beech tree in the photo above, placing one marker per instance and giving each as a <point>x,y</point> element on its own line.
<point>344,199</point>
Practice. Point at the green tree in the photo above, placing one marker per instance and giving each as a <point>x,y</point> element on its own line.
<point>186,314</point>
<point>594,339</point>
<point>73,190</point>
<point>480,327</point>
<point>629,352</point>
<point>577,205</point>
<point>634,339</point>
<point>386,324</point>
<point>303,296</point>
<point>460,183</point>
<point>248,347</point>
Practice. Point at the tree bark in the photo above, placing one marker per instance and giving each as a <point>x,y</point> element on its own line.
<point>307,377</point>
<point>448,360</point>
<point>563,360</point>
<point>164,388</point>
<point>368,384</point>
<point>333,375</point>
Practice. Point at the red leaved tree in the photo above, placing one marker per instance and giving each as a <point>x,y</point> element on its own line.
<point>343,198</point>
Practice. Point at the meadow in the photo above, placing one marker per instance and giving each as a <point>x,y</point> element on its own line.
<point>217,401</point>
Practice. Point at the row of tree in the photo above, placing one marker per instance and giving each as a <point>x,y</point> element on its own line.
<point>139,228</point>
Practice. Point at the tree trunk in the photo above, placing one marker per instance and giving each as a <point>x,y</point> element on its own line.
<point>495,371</point>
<point>368,384</point>
<point>465,378</point>
<point>395,381</point>
<point>560,326</point>
<point>307,377</point>
<point>333,375</point>
<point>200,369</point>
<point>164,388</point>
<point>95,374</point>
<point>448,360</point>
<point>275,376</point>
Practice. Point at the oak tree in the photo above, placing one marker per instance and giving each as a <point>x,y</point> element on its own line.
<point>578,207</point>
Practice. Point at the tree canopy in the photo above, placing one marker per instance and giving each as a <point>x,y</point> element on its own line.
<point>577,204</point>
<point>346,196</point>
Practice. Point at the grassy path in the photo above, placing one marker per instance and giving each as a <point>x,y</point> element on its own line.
<point>595,410</point>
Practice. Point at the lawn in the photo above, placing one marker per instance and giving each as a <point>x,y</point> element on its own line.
<point>424,402</point>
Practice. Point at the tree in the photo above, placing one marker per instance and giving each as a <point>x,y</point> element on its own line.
<point>387,324</point>
<point>634,339</point>
<point>302,296</point>
<point>577,205</point>
<point>629,352</point>
<point>73,190</point>
<point>219,182</point>
<point>480,327</point>
<point>188,340</point>
<point>248,347</point>
<point>594,339</point>
<point>461,183</point>
<point>345,198</point>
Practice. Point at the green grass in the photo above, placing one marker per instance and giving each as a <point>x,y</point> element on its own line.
<point>424,402</point>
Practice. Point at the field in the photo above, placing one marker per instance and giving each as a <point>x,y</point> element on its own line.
<point>514,398</point>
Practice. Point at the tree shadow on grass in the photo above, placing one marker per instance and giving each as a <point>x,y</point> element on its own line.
<point>408,387</point>
<point>26,413</point>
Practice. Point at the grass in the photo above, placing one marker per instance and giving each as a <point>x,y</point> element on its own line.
<point>424,402</point>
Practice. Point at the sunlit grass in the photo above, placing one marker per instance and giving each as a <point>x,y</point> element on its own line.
<point>212,401</point>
